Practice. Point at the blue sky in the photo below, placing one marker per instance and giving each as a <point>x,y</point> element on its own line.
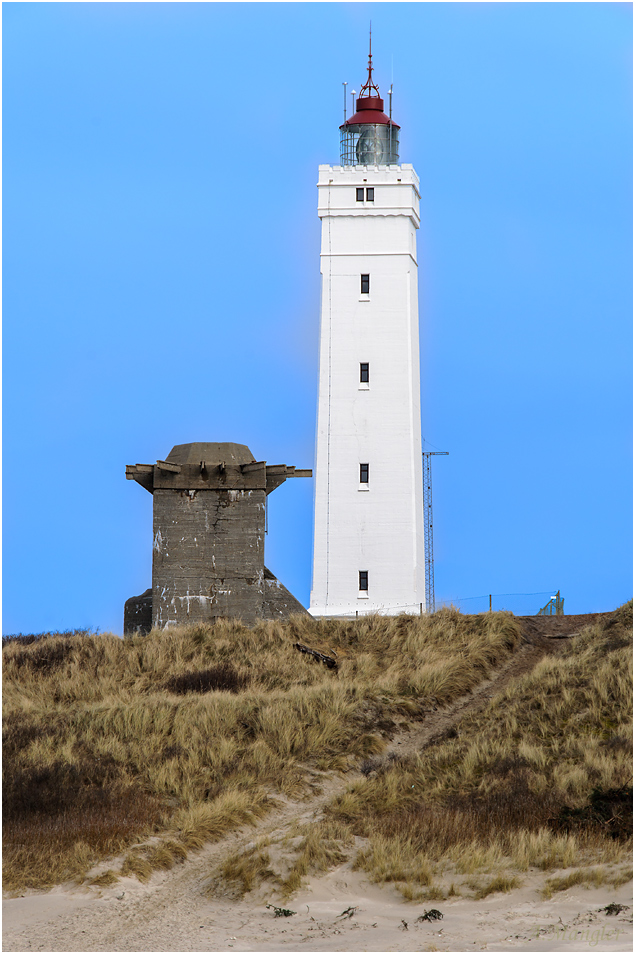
<point>161,279</point>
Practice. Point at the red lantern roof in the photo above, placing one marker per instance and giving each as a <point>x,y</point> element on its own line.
<point>370,109</point>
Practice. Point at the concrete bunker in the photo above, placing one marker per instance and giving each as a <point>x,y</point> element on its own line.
<point>208,552</point>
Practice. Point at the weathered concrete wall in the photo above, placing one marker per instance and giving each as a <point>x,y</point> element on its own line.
<point>208,551</point>
<point>208,538</point>
<point>138,613</point>
<point>278,602</point>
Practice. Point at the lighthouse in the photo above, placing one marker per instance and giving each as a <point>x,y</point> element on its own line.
<point>368,511</point>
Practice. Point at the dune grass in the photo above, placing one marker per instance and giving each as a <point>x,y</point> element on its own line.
<point>151,746</point>
<point>500,883</point>
<point>540,779</point>
<point>589,877</point>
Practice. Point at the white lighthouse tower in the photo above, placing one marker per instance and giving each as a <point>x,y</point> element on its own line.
<point>368,521</point>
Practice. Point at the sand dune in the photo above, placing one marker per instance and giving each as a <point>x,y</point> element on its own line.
<point>339,911</point>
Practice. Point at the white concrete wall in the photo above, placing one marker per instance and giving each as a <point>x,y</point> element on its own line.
<point>379,528</point>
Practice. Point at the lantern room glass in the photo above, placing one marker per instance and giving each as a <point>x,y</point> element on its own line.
<point>369,145</point>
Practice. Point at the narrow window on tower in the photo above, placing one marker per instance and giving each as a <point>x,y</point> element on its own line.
<point>363,580</point>
<point>364,372</point>
<point>364,284</point>
<point>370,195</point>
<point>364,474</point>
<point>360,195</point>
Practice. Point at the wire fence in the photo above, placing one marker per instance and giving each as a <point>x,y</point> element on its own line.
<point>522,605</point>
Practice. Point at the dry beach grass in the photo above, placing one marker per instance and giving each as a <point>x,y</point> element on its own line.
<point>151,747</point>
<point>188,734</point>
<point>541,778</point>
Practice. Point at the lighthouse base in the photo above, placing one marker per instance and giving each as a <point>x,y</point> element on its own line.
<point>366,609</point>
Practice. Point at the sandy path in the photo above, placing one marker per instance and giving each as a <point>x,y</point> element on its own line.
<point>172,913</point>
<point>437,722</point>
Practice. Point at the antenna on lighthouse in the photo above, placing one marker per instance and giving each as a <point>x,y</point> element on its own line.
<point>345,100</point>
<point>391,123</point>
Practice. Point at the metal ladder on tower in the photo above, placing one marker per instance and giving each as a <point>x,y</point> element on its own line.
<point>429,575</point>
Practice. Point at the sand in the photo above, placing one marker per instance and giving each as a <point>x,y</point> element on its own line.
<point>171,914</point>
